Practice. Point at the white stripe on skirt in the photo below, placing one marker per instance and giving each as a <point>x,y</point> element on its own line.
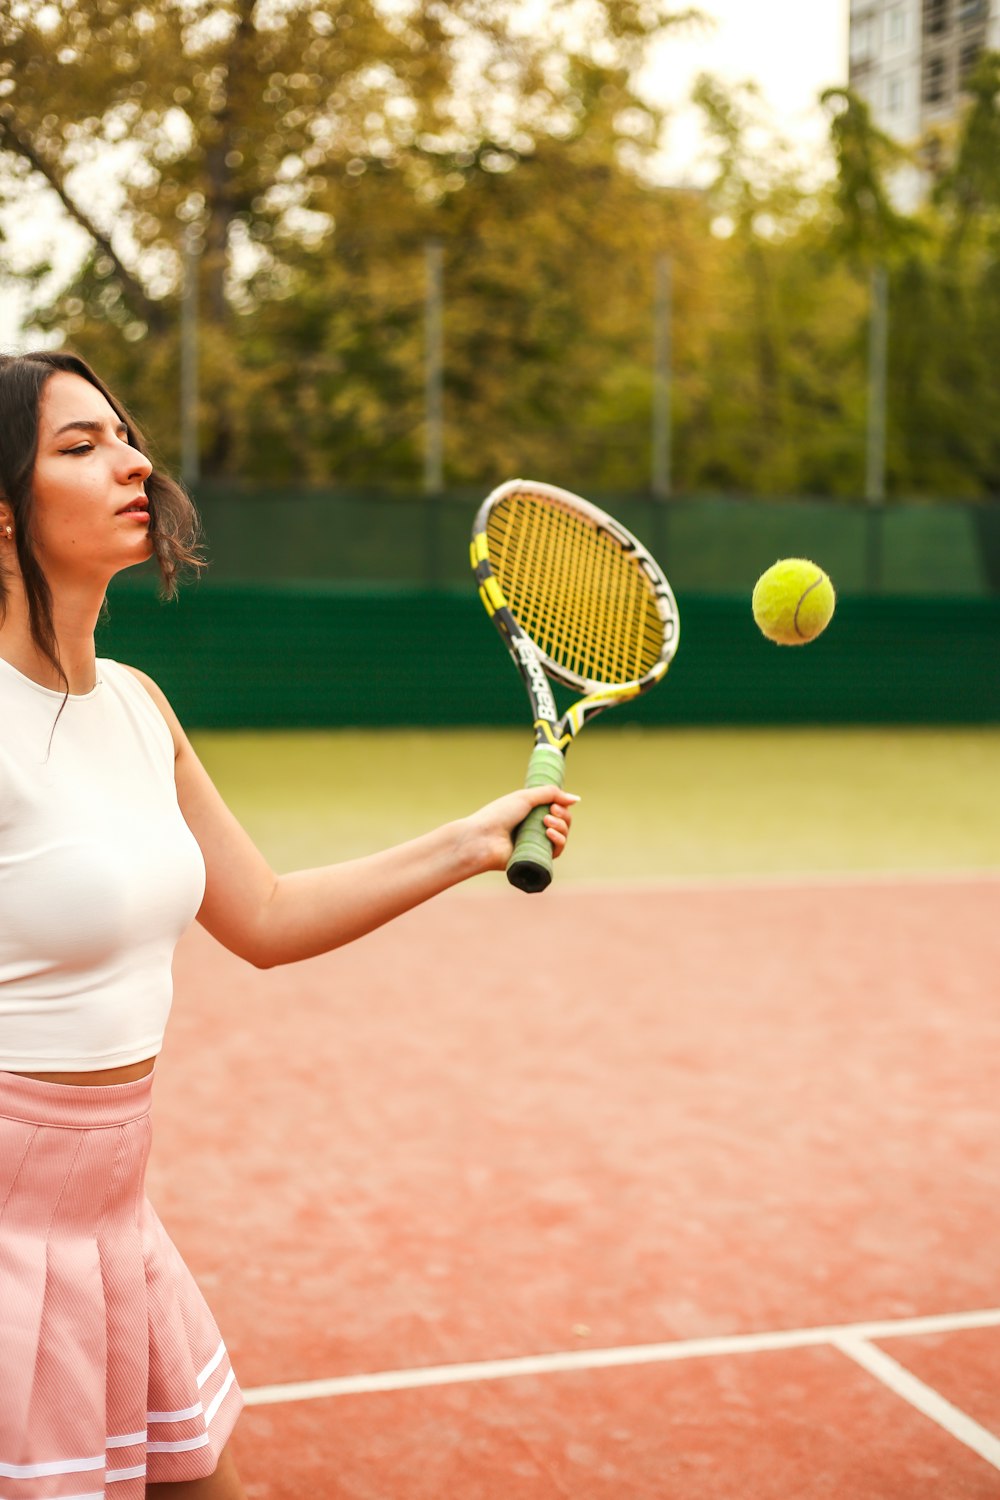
<point>87,1465</point>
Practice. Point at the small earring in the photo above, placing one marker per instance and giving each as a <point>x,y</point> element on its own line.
<point>9,530</point>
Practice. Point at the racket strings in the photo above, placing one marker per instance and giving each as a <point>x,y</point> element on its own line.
<point>579,596</point>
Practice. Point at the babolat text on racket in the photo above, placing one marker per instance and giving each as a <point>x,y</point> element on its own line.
<point>579,601</point>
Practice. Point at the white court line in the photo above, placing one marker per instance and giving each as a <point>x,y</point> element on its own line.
<point>603,1359</point>
<point>923,1397</point>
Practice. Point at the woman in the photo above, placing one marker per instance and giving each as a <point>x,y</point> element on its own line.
<point>112,838</point>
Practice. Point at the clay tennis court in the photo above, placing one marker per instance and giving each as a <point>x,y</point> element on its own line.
<point>669,1189</point>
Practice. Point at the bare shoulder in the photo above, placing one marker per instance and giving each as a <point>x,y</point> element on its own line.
<point>162,702</point>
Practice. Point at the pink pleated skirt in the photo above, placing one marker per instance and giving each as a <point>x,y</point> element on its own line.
<point>112,1369</point>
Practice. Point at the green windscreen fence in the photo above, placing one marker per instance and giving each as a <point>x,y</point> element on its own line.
<point>319,655</point>
<point>331,608</point>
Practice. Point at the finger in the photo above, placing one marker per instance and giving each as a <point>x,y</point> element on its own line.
<point>556,795</point>
<point>550,792</point>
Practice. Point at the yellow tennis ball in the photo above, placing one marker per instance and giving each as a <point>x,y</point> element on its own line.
<point>793,601</point>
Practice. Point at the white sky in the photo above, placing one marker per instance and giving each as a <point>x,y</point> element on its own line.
<point>791,49</point>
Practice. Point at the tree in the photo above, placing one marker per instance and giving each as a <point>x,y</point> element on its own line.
<point>950,310</point>
<point>868,227</point>
<point>968,191</point>
<point>243,118</point>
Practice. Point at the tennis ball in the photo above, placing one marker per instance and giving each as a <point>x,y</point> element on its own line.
<point>793,601</point>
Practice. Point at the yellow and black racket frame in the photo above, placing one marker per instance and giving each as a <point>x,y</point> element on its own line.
<point>530,865</point>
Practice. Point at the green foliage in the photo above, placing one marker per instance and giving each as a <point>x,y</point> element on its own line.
<point>969,189</point>
<point>867,226</point>
<point>314,151</point>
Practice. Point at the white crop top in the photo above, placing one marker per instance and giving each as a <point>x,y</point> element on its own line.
<point>99,874</point>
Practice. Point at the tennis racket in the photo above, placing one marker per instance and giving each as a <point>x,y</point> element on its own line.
<point>578,601</point>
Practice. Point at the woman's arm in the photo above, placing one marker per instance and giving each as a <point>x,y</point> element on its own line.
<point>272,919</point>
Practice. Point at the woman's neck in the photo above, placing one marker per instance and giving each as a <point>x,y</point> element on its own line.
<point>74,619</point>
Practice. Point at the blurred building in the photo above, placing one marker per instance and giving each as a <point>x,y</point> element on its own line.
<point>909,60</point>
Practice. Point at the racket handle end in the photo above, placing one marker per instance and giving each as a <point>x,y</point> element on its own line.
<point>530,865</point>
<point>529,875</point>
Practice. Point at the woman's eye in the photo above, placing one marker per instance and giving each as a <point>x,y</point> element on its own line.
<point>80,448</point>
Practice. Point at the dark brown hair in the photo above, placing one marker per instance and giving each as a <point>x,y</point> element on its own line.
<point>174,527</point>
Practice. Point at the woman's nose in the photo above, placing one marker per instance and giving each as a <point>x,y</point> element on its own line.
<point>135,464</point>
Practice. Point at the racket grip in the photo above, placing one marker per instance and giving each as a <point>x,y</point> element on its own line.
<point>530,865</point>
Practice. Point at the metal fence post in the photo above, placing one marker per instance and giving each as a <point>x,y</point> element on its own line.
<point>433,406</point>
<point>878,351</point>
<point>190,454</point>
<point>662,380</point>
<point>434,369</point>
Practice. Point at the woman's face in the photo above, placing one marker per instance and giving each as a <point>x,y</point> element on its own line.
<point>91,513</point>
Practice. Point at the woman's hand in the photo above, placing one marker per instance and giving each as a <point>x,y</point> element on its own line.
<point>489,833</point>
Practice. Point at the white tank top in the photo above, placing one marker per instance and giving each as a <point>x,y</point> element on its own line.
<point>99,874</point>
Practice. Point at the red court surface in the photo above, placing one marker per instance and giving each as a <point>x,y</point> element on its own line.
<point>666,1145</point>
